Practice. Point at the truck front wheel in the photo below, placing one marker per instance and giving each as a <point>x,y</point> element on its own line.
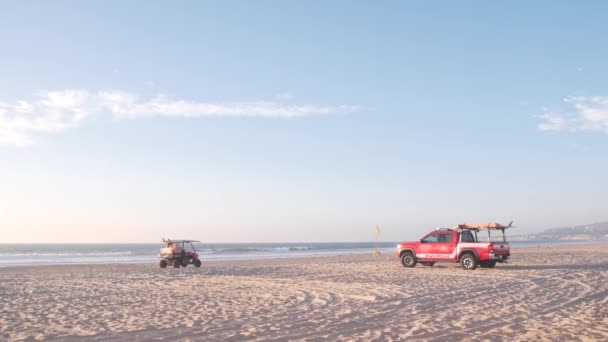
<point>468,261</point>
<point>408,259</point>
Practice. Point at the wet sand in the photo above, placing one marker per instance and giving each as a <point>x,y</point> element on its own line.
<point>544,294</point>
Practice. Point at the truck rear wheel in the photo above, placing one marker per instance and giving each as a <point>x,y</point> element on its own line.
<point>163,263</point>
<point>408,259</point>
<point>468,261</point>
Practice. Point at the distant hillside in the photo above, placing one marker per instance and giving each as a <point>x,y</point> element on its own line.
<point>594,231</point>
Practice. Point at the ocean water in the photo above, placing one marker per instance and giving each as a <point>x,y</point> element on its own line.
<point>65,254</point>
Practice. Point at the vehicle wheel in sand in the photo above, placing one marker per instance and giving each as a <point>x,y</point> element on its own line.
<point>468,261</point>
<point>184,262</point>
<point>163,263</point>
<point>427,263</point>
<point>196,262</point>
<point>488,264</point>
<point>177,263</point>
<point>408,259</point>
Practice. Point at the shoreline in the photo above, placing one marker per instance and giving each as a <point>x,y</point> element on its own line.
<point>244,259</point>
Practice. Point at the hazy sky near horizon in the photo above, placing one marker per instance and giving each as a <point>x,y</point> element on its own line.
<point>273,121</point>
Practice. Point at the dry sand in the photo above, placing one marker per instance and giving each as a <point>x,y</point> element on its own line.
<point>545,294</point>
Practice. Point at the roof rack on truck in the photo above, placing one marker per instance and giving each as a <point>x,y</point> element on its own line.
<point>489,226</point>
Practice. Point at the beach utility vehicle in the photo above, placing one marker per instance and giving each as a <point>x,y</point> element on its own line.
<point>462,244</point>
<point>179,253</point>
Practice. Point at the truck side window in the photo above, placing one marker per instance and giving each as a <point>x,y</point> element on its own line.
<point>467,237</point>
<point>446,238</point>
<point>431,238</point>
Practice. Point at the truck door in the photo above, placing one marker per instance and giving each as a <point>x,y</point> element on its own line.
<point>429,247</point>
<point>438,246</point>
<point>446,246</point>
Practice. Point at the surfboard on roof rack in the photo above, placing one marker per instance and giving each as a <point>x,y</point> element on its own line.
<point>486,225</point>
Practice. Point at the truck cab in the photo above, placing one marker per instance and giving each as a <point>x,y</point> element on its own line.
<point>459,244</point>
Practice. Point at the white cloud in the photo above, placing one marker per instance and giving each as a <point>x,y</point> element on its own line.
<point>552,122</point>
<point>589,113</point>
<point>127,106</point>
<point>53,112</point>
<point>56,111</point>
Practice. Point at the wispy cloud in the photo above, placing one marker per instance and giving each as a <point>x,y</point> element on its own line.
<point>587,113</point>
<point>56,111</point>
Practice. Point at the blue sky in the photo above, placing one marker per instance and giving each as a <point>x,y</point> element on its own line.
<point>312,121</point>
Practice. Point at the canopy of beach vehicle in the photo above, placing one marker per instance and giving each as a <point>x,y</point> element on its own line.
<point>179,241</point>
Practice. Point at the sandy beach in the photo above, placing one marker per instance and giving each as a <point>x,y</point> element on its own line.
<point>544,294</point>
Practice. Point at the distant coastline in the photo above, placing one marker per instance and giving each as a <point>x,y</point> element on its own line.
<point>588,232</point>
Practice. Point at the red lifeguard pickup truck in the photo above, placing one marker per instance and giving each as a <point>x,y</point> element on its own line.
<point>458,244</point>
